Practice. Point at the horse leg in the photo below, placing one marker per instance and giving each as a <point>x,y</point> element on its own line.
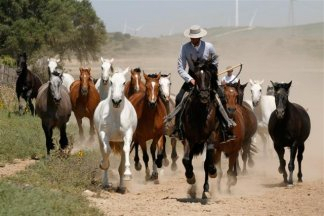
<point>212,171</point>
<point>291,164</point>
<point>138,165</point>
<point>127,142</point>
<point>121,170</point>
<point>79,121</point>
<point>281,152</point>
<point>165,157</point>
<point>231,172</point>
<point>252,147</point>
<point>301,148</point>
<point>187,163</point>
<point>48,135</point>
<point>31,106</point>
<point>155,174</point>
<point>245,148</point>
<point>63,138</point>
<point>105,150</point>
<point>264,142</point>
<point>20,106</point>
<point>217,160</point>
<point>174,154</point>
<point>160,143</point>
<point>92,130</point>
<point>145,159</point>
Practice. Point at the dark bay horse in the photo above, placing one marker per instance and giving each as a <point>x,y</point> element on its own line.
<point>135,84</point>
<point>53,106</point>
<point>200,124</point>
<point>27,84</point>
<point>250,123</point>
<point>84,99</point>
<point>289,126</point>
<point>150,113</point>
<point>232,148</point>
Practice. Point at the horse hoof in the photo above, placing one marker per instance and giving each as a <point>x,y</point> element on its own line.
<point>154,176</point>
<point>165,162</point>
<point>244,172</point>
<point>191,180</point>
<point>158,163</point>
<point>206,195</point>
<point>138,166</point>
<point>121,190</point>
<point>212,172</point>
<point>280,170</point>
<point>174,166</point>
<point>128,177</point>
<point>107,187</point>
<point>300,180</point>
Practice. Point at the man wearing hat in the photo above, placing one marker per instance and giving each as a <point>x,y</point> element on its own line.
<point>229,78</point>
<point>191,51</point>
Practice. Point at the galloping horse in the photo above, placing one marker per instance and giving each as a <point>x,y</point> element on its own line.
<point>102,84</point>
<point>289,126</point>
<point>135,84</point>
<point>250,123</point>
<point>27,84</point>
<point>200,124</point>
<point>169,103</point>
<point>67,78</point>
<point>150,112</point>
<point>84,99</point>
<point>53,106</point>
<point>263,106</point>
<point>115,121</point>
<point>232,148</point>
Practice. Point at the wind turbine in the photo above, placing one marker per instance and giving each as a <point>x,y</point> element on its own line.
<point>136,30</point>
<point>252,20</point>
<point>236,14</point>
<point>291,12</point>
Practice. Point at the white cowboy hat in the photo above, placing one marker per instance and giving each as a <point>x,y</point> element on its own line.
<point>195,31</point>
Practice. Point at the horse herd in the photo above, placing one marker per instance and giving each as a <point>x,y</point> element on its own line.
<point>126,114</point>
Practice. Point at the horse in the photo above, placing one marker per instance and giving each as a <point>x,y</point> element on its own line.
<point>84,99</point>
<point>200,125</point>
<point>263,106</point>
<point>169,103</point>
<point>150,112</point>
<point>52,64</point>
<point>54,107</point>
<point>135,84</point>
<point>27,84</point>
<point>289,126</point>
<point>102,84</point>
<point>270,90</point>
<point>232,148</point>
<point>250,125</point>
<point>115,122</point>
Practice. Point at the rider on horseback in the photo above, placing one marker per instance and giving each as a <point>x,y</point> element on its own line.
<point>194,50</point>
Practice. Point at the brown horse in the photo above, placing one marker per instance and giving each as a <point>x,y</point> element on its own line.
<point>250,124</point>
<point>232,148</point>
<point>150,113</point>
<point>135,84</point>
<point>84,99</point>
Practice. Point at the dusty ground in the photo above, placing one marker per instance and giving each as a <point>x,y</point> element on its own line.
<point>13,168</point>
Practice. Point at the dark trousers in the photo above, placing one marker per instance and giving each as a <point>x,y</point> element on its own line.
<point>184,88</point>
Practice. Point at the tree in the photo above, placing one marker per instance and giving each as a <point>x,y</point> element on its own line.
<point>50,27</point>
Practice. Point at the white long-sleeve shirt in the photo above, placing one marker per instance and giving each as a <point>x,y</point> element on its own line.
<point>189,53</point>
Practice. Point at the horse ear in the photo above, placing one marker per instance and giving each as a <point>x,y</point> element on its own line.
<point>111,60</point>
<point>126,71</point>
<point>251,82</point>
<point>145,76</point>
<point>102,60</point>
<point>169,76</point>
<point>158,75</point>
<point>48,60</point>
<point>289,84</point>
<point>58,60</point>
<point>239,82</point>
<point>261,82</point>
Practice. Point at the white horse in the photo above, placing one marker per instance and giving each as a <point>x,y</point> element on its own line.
<point>67,78</point>
<point>102,84</point>
<point>115,121</point>
<point>263,106</point>
<point>169,102</point>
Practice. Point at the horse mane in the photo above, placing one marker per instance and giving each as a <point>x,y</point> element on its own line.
<point>152,75</point>
<point>138,70</point>
<point>164,75</point>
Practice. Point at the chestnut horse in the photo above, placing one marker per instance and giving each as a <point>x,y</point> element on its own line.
<point>84,99</point>
<point>27,84</point>
<point>232,148</point>
<point>289,126</point>
<point>200,124</point>
<point>150,113</point>
<point>135,84</point>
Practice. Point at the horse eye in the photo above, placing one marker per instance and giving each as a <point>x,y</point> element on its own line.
<point>124,83</point>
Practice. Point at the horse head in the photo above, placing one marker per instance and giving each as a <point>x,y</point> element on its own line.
<point>117,86</point>
<point>85,79</point>
<point>21,63</point>
<point>270,90</point>
<point>135,79</point>
<point>165,86</point>
<point>231,95</point>
<point>281,92</point>
<point>241,93</point>
<point>203,74</point>
<point>256,91</point>
<point>152,88</point>
<point>55,83</point>
<point>106,69</point>
<point>52,64</point>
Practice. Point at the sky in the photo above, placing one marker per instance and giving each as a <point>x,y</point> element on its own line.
<point>154,18</point>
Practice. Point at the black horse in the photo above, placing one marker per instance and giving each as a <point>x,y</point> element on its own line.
<point>199,123</point>
<point>27,84</point>
<point>289,126</point>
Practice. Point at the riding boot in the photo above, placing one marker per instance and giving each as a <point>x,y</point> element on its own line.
<point>230,123</point>
<point>177,133</point>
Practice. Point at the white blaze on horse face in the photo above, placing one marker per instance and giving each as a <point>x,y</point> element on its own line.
<point>106,69</point>
<point>153,87</point>
<point>256,92</point>
<point>52,64</point>
<point>137,83</point>
<point>165,87</point>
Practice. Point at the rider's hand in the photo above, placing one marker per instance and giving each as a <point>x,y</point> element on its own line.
<point>193,82</point>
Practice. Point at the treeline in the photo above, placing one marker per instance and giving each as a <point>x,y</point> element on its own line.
<point>50,27</point>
